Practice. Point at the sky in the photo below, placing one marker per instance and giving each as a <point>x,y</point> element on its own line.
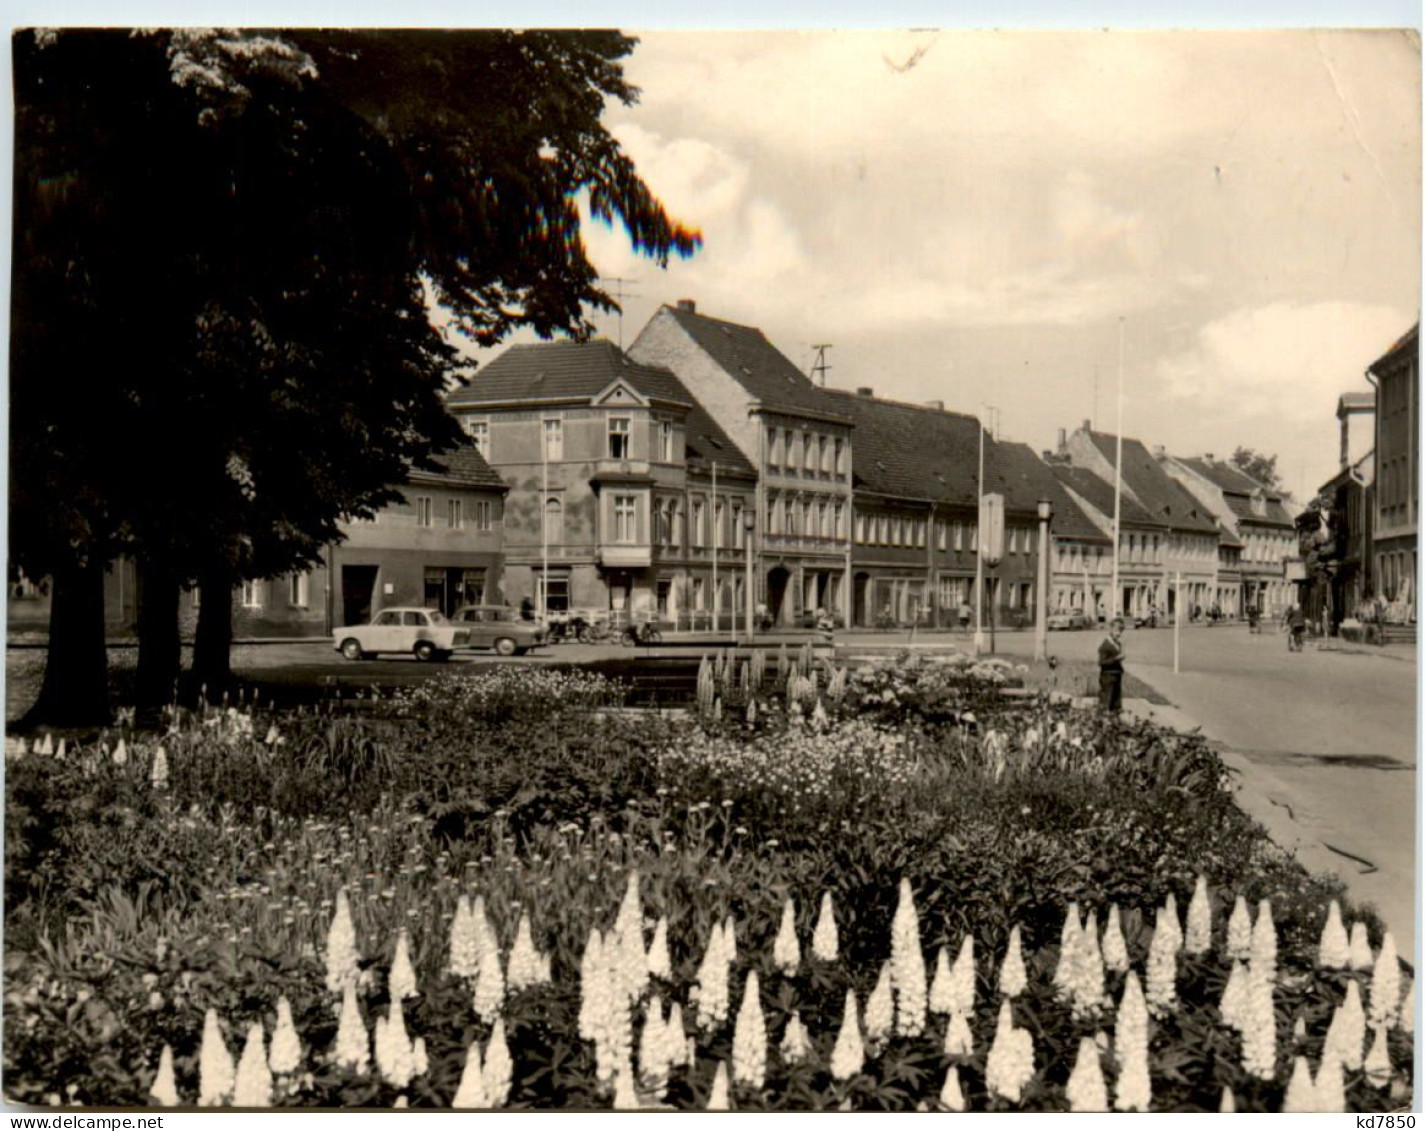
<point>981,217</point>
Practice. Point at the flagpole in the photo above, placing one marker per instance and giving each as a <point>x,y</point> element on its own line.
<point>980,545</point>
<point>1118,477</point>
<point>544,521</point>
<point>1177,617</point>
<point>717,529</point>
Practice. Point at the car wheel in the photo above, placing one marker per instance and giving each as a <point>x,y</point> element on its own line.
<point>425,650</point>
<point>504,646</point>
<point>351,649</point>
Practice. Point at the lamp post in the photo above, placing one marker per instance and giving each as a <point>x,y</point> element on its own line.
<point>1041,606</point>
<point>749,525</point>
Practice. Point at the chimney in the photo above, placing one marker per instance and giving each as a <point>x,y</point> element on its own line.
<point>1088,425</point>
<point>864,391</point>
<point>688,305</point>
<point>1063,439</point>
<point>1207,458</point>
<point>938,406</point>
<point>1160,452</point>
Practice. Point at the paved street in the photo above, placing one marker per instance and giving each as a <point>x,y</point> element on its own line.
<point>1326,738</point>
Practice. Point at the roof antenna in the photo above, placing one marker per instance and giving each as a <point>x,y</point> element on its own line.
<point>619,297</point>
<point>819,366</point>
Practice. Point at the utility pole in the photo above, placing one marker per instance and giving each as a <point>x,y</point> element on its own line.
<point>1118,476</point>
<point>819,365</point>
<point>717,530</point>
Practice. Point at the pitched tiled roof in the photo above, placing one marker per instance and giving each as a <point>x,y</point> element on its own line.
<point>1225,537</point>
<point>706,442</point>
<point>1409,342</point>
<point>461,467</point>
<point>1275,514</point>
<point>1029,479</point>
<point>746,355</point>
<point>549,371</point>
<point>911,451</point>
<point>1223,475</point>
<point>1161,495</point>
<point>1099,494</point>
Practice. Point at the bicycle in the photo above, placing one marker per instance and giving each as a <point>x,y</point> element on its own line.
<point>594,632</point>
<point>644,633</point>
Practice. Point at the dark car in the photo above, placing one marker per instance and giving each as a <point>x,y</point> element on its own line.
<point>500,628</point>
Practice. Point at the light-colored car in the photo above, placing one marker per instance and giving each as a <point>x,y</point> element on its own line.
<point>1070,620</point>
<point>423,633</point>
<point>500,628</point>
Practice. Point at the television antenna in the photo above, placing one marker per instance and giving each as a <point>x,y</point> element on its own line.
<point>819,365</point>
<point>619,295</point>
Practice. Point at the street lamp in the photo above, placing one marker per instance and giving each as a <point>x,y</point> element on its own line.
<point>749,525</point>
<point>1041,612</point>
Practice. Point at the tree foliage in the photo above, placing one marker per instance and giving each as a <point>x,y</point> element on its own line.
<point>1259,465</point>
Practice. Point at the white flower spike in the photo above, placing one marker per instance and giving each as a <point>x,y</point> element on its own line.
<point>749,1038</point>
<point>1334,952</point>
<point>343,958</point>
<point>849,1054</point>
<point>718,1098</point>
<point>402,979</point>
<point>1300,1096</point>
<point>1115,949</point>
<point>1239,931</point>
<point>1086,1090</point>
<point>786,955</point>
<point>470,1095</point>
<point>1012,976</point>
<point>1385,985</point>
<point>1361,957</point>
<point>216,1072</point>
<point>164,1090</point>
<point>824,942</point>
<point>1197,939</point>
<point>951,1097</point>
<point>252,1086</point>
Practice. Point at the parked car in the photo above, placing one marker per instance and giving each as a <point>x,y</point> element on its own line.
<point>501,628</point>
<point>1071,620</point>
<point>423,633</point>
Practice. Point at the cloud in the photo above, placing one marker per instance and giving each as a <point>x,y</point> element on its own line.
<point>1281,360</point>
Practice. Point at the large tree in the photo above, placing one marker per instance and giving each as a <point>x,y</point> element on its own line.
<point>226,248</point>
<point>1261,467</point>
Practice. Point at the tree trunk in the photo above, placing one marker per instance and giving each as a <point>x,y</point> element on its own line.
<point>213,638</point>
<point>159,651</point>
<point>75,692</point>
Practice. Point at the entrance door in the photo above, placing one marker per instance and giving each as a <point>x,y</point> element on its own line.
<point>358,583</point>
<point>860,586</point>
<point>777,581</point>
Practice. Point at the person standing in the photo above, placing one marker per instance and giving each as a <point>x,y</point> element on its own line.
<point>965,614</point>
<point>1110,668</point>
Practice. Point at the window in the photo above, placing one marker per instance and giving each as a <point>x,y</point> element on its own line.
<point>774,447</point>
<point>940,535</point>
<point>809,453</point>
<point>553,522</point>
<point>789,443</point>
<point>388,619</point>
<point>808,521</point>
<point>618,438</point>
<point>625,517</point>
<point>297,590</point>
<point>823,520</point>
<point>825,446</point>
<point>895,532</point>
<point>252,594</point>
<point>698,532</point>
<point>975,537</point>
<point>699,594</point>
<point>840,457</point>
<point>483,515</point>
<point>555,590</point>
<point>455,516</point>
<point>554,440</point>
<point>959,536</point>
<point>840,521</point>
<point>719,514</point>
<point>790,516</point>
<point>479,433</point>
<point>423,510</point>
<point>860,529</point>
<point>662,523</point>
<point>665,441</point>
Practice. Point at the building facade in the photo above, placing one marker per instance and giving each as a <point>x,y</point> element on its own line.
<point>610,466</point>
<point>1396,376</point>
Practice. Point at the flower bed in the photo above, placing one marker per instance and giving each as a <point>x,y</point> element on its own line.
<point>469,845</point>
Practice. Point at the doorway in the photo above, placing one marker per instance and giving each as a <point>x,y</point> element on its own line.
<point>358,584</point>
<point>777,581</point>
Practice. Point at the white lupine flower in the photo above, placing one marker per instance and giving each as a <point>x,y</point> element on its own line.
<point>59,750</point>
<point>464,941</point>
<point>849,1054</point>
<point>1385,985</point>
<point>1346,1035</point>
<point>711,992</point>
<point>660,965</point>
<point>121,754</point>
<point>1407,1011</point>
<point>285,1055</point>
<point>1012,976</point>
<point>613,1043</point>
<point>158,775</point>
<point>907,966</point>
<point>1115,949</point>
<point>951,1098</point>
<point>1197,939</point>
<point>1361,956</point>
<point>524,959</point>
<point>1329,1085</point>
<point>252,1086</point>
<point>1068,948</point>
<point>216,1073</point>
<point>786,955</point>
<point>471,1092</point>
<point>402,980</point>
<point>1335,950</point>
<point>489,987</point>
<point>1169,918</point>
<point>653,1049</point>
<point>546,976</point>
<point>353,1043</point>
<point>749,1038</point>
<point>1300,1098</point>
<point>962,979</point>
<point>1233,1006</point>
<point>717,1098</point>
<point>1088,989</point>
<point>1009,1065</point>
<point>824,942</point>
<point>796,1046</point>
<point>420,1059</point>
<point>1377,1062</point>
<point>1228,1105</point>
<point>628,938</point>
<point>593,990</point>
<point>625,1096</point>
<point>879,1009</point>
<point>1259,1024</point>
<point>959,1041</point>
<point>1133,1091</point>
<point>498,1066</point>
<point>46,745</point>
<point>164,1090</point>
<point>1298,1030</point>
<point>486,942</point>
<point>729,939</point>
<point>1239,931</point>
<point>1162,967</point>
<point>1086,1090</point>
<point>394,1057</point>
<point>343,958</point>
<point>676,1039</point>
<point>402,1102</point>
<point>940,999</point>
<point>1263,955</point>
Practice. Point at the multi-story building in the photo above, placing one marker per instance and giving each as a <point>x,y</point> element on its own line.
<point>1258,518</point>
<point>790,434</point>
<point>1083,566</point>
<point>610,466</point>
<point>1396,376</point>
